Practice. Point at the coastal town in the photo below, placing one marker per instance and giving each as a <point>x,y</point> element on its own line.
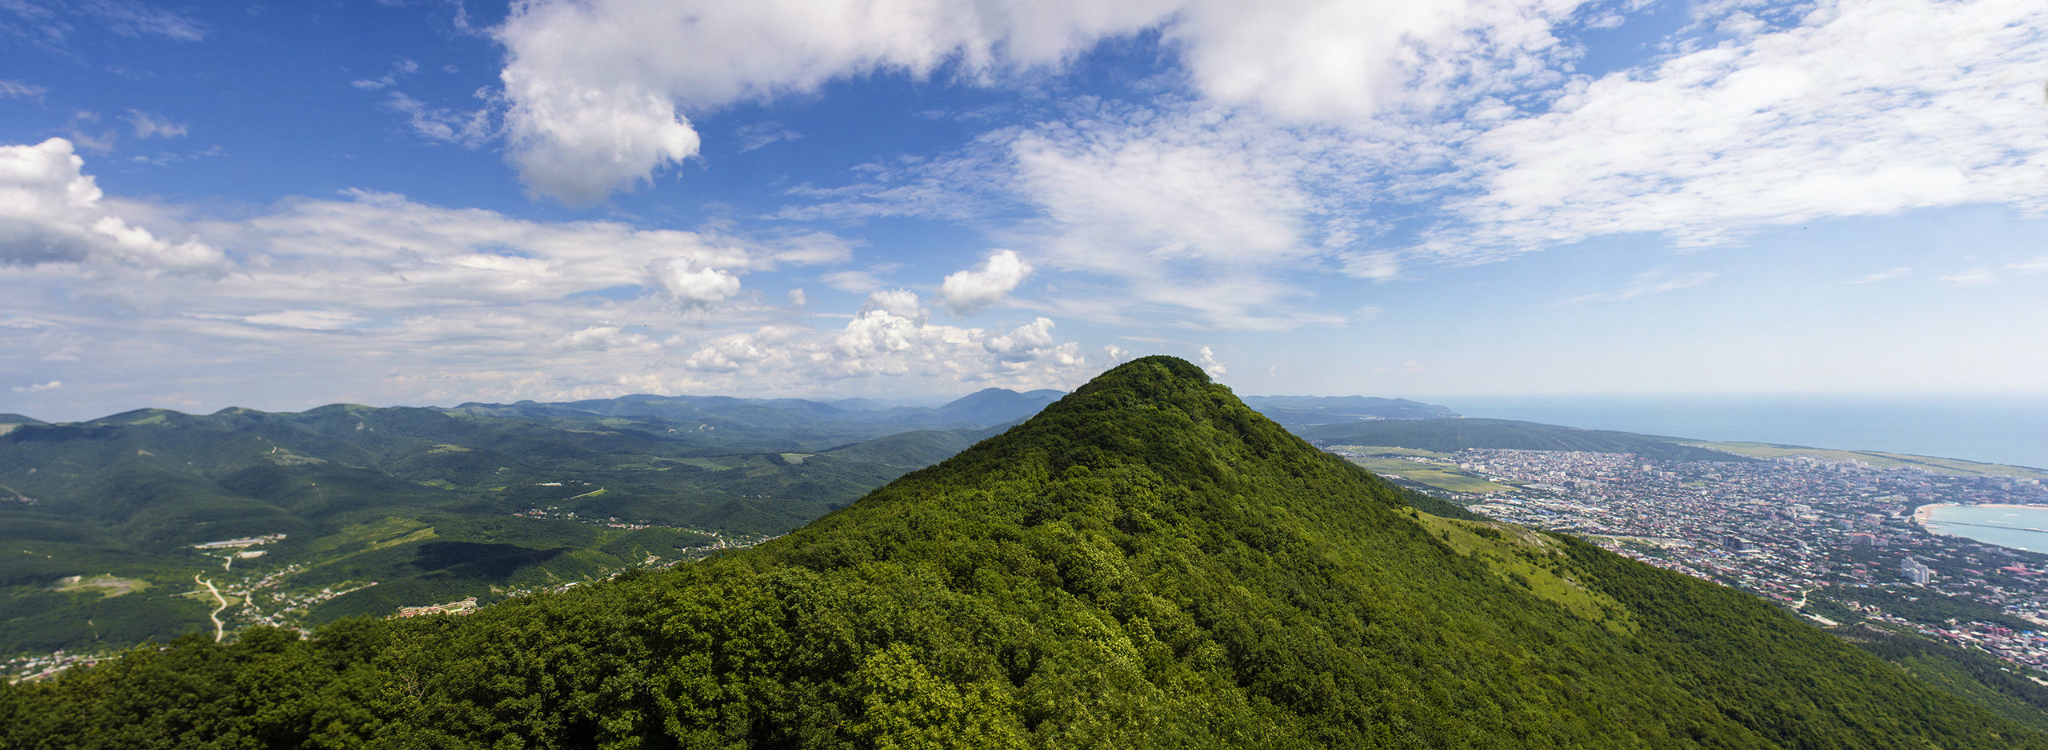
<point>1837,541</point>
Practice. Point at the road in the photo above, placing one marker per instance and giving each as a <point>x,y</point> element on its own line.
<point>219,628</point>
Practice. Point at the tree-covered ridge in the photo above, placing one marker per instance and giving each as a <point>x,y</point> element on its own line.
<point>419,502</point>
<point>1147,563</point>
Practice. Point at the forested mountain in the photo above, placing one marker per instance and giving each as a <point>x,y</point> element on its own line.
<point>410,506</point>
<point>1147,563</point>
<point>1452,435</point>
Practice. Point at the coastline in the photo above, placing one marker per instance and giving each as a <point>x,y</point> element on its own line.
<point>1921,513</point>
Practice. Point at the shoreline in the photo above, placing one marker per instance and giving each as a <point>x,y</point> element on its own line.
<point>1921,513</point>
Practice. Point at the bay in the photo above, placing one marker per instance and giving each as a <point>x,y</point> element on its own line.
<point>2003,525</point>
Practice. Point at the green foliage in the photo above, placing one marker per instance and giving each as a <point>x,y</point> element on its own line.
<point>128,495</point>
<point>1920,605</point>
<point>1965,673</point>
<point>1148,563</point>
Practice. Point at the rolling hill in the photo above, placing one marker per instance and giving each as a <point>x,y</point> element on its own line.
<point>429,505</point>
<point>1146,563</point>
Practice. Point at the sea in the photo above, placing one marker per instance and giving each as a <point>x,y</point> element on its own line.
<point>2003,525</point>
<point>1999,430</point>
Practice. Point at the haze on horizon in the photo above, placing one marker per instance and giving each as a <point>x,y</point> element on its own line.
<point>285,206</point>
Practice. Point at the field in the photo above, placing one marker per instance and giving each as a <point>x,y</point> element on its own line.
<point>1440,473</point>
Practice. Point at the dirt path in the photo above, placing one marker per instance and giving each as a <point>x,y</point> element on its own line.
<point>219,628</point>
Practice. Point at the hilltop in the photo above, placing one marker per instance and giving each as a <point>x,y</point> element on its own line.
<point>1147,562</point>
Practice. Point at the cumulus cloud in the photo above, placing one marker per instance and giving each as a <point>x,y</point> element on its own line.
<point>967,292</point>
<point>598,89</point>
<point>686,283</point>
<point>901,303</point>
<point>1210,363</point>
<point>397,300</point>
<point>52,212</point>
<point>606,338</point>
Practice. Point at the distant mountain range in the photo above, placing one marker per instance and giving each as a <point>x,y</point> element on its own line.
<point>1146,563</point>
<point>1294,412</point>
<point>421,501</point>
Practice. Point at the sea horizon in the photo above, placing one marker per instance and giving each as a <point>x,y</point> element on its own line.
<point>1992,428</point>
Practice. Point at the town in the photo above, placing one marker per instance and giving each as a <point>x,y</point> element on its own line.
<point>1832,540</point>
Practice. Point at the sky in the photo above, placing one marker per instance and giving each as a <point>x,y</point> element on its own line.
<point>282,205</point>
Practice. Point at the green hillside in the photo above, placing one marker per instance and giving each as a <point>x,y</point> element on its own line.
<point>419,502</point>
<point>1452,435</point>
<point>1147,563</point>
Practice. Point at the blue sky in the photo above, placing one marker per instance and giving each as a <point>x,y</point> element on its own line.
<point>290,204</point>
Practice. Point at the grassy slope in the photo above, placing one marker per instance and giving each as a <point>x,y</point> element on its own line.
<point>1148,563</point>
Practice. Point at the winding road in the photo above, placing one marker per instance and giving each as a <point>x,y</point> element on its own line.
<point>219,628</point>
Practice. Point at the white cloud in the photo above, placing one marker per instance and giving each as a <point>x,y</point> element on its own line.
<point>599,89</point>
<point>763,133</point>
<point>18,90</point>
<point>1647,283</point>
<point>901,303</point>
<point>1860,107</point>
<point>129,18</point>
<point>1972,277</point>
<point>967,292</point>
<point>797,298</point>
<point>39,387</point>
<point>149,125</point>
<point>857,282</point>
<point>2036,265</point>
<point>578,143</point>
<point>48,27</point>
<point>607,338</point>
<point>1885,275</point>
<point>51,212</point>
<point>310,320</point>
<point>467,129</point>
<point>1210,363</point>
<point>686,283</point>
<point>376,297</point>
